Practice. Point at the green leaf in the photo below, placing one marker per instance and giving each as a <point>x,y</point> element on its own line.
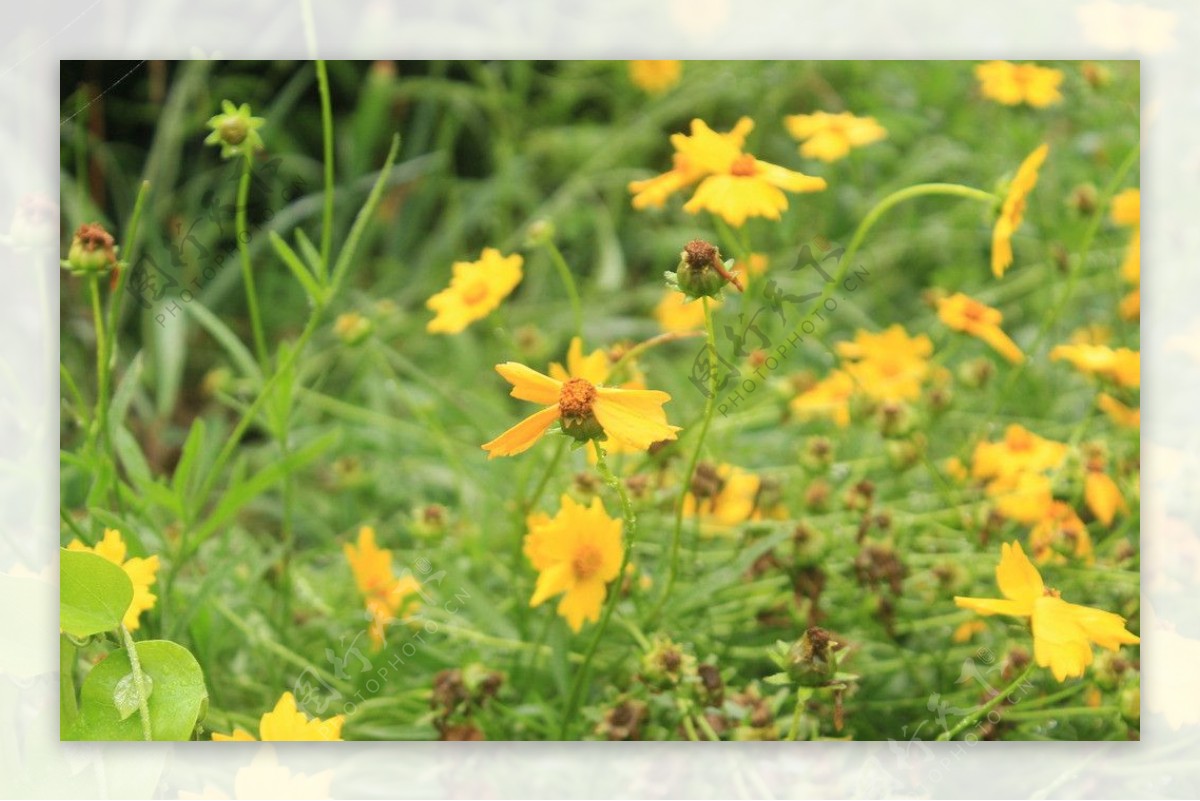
<point>123,395</point>
<point>316,294</point>
<point>178,701</point>
<point>125,697</point>
<point>93,593</point>
<point>226,339</point>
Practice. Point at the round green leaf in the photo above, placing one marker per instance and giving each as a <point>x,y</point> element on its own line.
<point>93,593</point>
<point>177,701</point>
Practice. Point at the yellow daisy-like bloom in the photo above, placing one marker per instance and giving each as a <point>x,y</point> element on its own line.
<point>1012,212</point>
<point>889,365</point>
<point>632,417</point>
<point>968,315</point>
<point>830,137</point>
<point>287,723</point>
<point>1013,84</point>
<point>1103,496</point>
<point>653,192</point>
<point>383,594</point>
<point>576,553</point>
<point>655,77</point>
<point>829,397</point>
<point>475,291</point>
<point>141,572</point>
<point>1021,451</point>
<point>1063,633</point>
<point>1025,497</point>
<point>594,368</point>
<point>676,313</point>
<point>1121,365</point>
<point>1060,529</point>
<point>1118,412</point>
<point>735,500</point>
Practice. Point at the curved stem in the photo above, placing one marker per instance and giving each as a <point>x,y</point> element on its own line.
<point>139,682</point>
<point>709,405</point>
<point>614,593</point>
<point>327,139</point>
<point>564,272</point>
<point>973,718</point>
<point>243,238</point>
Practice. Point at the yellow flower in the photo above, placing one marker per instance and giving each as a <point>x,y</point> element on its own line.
<point>1060,528</point>
<point>653,192</point>
<point>1127,210</point>
<point>1025,497</point>
<point>676,313</point>
<point>1012,212</point>
<point>829,397</point>
<point>1120,414</point>
<point>632,417</point>
<point>1020,451</point>
<point>655,76</point>
<point>1063,633</point>
<point>594,368</point>
<point>383,594</point>
<point>1127,207</point>
<point>967,630</point>
<point>1013,84</point>
<point>965,314</point>
<point>829,137</point>
<point>1103,496</point>
<point>889,365</point>
<point>476,289</point>
<point>576,553</point>
<point>287,723</point>
<point>1122,365</point>
<point>141,573</point>
<point>730,495</point>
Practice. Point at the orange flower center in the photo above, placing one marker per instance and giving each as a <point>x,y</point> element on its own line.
<point>973,312</point>
<point>576,397</point>
<point>586,561</point>
<point>475,292</point>
<point>743,165</point>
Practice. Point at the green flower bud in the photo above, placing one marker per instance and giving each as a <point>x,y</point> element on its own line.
<point>92,251</point>
<point>235,130</point>
<point>698,273</point>
<point>812,661</point>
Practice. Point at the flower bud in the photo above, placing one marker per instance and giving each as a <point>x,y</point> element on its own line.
<point>697,275</point>
<point>811,660</point>
<point>666,664</point>
<point>235,130</point>
<point>352,328</point>
<point>92,252</point>
<point>540,232</point>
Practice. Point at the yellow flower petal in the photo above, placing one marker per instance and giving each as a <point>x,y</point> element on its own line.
<point>1016,576</point>
<point>530,385</point>
<point>521,437</point>
<point>582,602</point>
<point>634,416</point>
<point>1103,496</point>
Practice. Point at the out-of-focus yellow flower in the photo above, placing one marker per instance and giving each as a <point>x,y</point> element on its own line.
<point>141,572</point>
<point>890,365</point>
<point>1059,530</point>
<point>475,291</point>
<point>1127,210</point>
<point>653,192</point>
<point>1063,633</point>
<point>1026,497</point>
<point>1127,207</point>
<point>383,593</point>
<point>829,397</point>
<point>1103,496</point>
<point>633,417</point>
<point>576,553</point>
<point>1013,84</point>
<point>967,630</point>
<point>287,723</point>
<point>955,468</point>
<point>655,77</point>
<point>1121,365</point>
<point>968,315</point>
<point>1012,212</point>
<point>729,495</point>
<point>1020,451</point>
<point>1130,307</point>
<point>830,137</point>
<point>1120,414</point>
<point>676,313</point>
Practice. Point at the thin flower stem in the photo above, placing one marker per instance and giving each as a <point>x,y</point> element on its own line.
<point>243,238</point>
<point>139,685</point>
<point>100,418</point>
<point>640,348</point>
<point>614,592</point>
<point>327,140</point>
<point>128,247</point>
<point>709,405</point>
<point>981,712</point>
<point>564,272</point>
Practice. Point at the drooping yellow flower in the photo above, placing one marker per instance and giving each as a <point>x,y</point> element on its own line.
<point>576,553</point>
<point>1012,212</point>
<point>676,313</point>
<point>655,77</point>
<point>729,495</point>
<point>1121,365</point>
<point>829,397</point>
<point>968,315</point>
<point>475,291</point>
<point>1059,530</point>
<point>1103,496</point>
<point>653,192</point>
<point>1118,412</point>
<point>141,572</point>
<point>287,723</point>
<point>1063,633</point>
<point>887,366</point>
<point>1013,84</point>
<point>829,137</point>
<point>633,417</point>
<point>383,593</point>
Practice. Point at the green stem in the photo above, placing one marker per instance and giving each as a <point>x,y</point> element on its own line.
<point>243,239</point>
<point>128,247</point>
<point>68,707</point>
<point>801,699</point>
<point>973,718</point>
<point>100,418</point>
<point>139,682</point>
<point>327,140</point>
<point>640,348</point>
<point>614,593</point>
<point>564,272</point>
<point>709,405</point>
